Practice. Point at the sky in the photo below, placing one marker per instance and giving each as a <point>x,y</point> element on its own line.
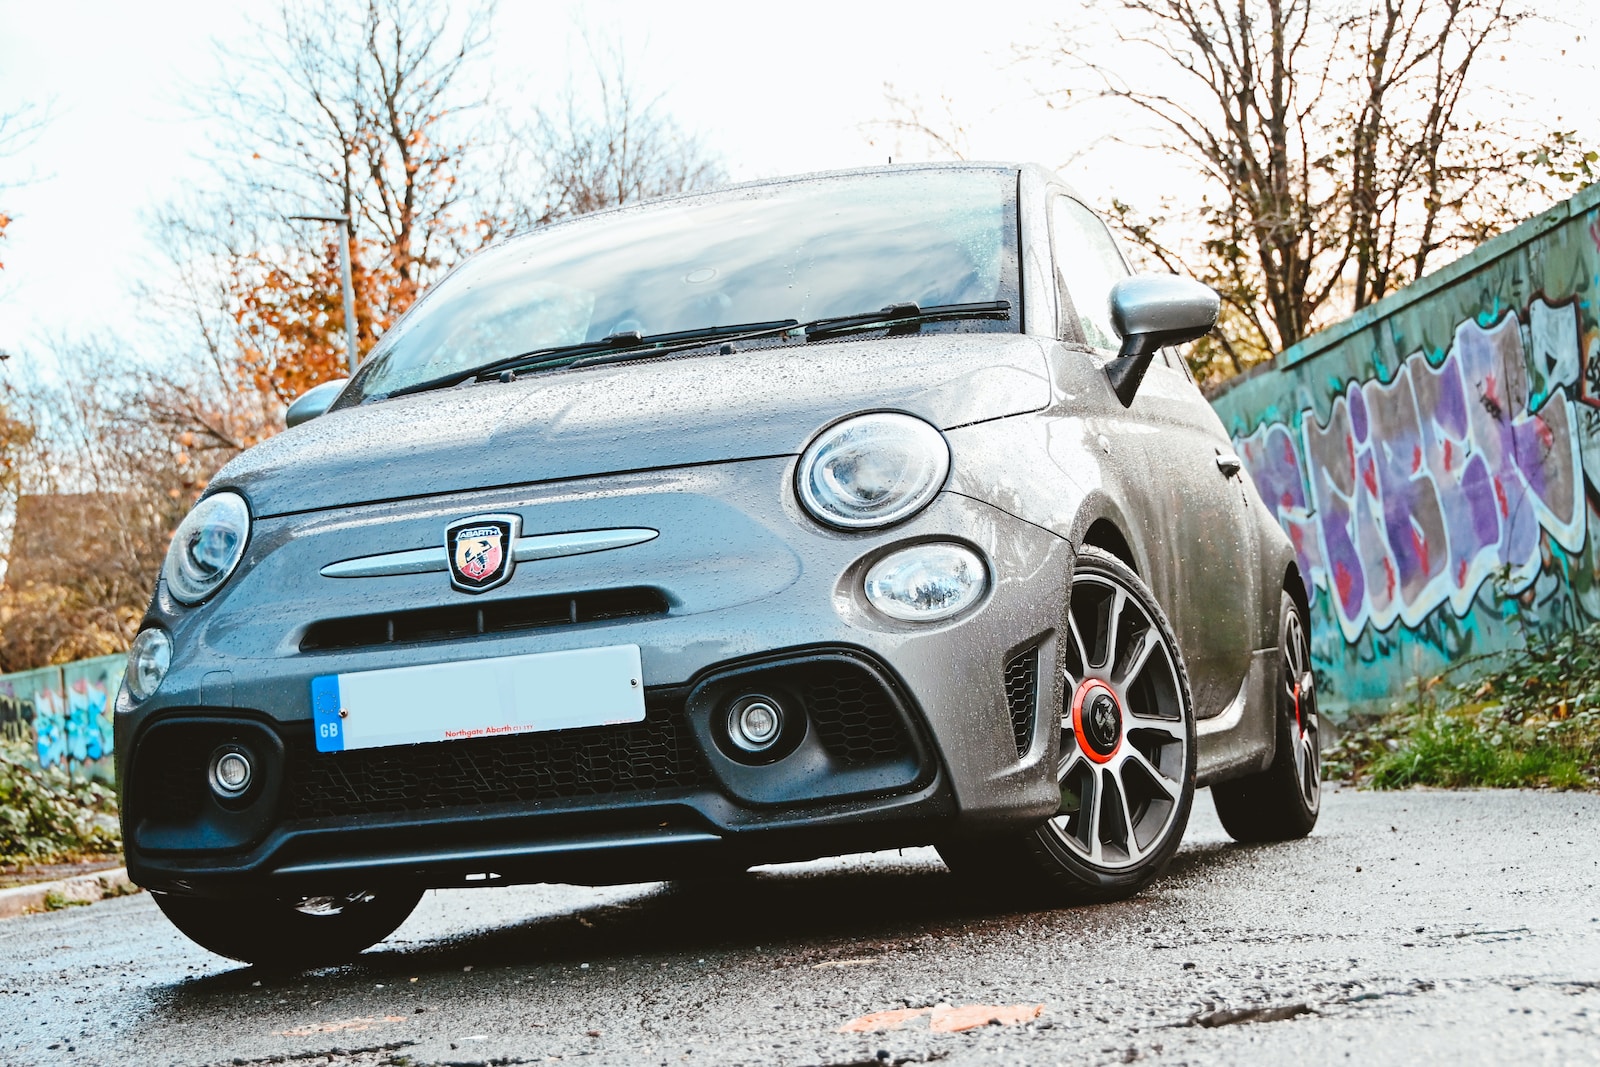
<point>772,89</point>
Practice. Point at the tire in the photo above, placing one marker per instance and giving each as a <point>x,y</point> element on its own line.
<point>1281,803</point>
<point>297,932</point>
<point>1127,738</point>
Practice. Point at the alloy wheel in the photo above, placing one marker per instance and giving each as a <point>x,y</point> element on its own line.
<point>1301,684</point>
<point>1124,741</point>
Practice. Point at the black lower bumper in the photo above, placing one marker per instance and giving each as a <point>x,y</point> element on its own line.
<point>665,798</point>
<point>646,839</point>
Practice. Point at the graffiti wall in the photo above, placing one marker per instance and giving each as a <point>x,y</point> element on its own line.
<point>1436,460</point>
<point>61,716</point>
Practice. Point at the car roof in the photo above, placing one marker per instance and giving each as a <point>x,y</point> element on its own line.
<point>736,188</point>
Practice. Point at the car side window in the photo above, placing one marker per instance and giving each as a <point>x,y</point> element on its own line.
<point>1087,265</point>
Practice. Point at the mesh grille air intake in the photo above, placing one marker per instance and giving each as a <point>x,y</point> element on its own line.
<point>655,754</point>
<point>1022,696</point>
<point>854,717</point>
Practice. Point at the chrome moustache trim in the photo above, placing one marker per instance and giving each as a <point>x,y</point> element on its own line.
<point>538,546</point>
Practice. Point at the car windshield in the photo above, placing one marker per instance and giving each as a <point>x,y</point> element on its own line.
<point>800,250</point>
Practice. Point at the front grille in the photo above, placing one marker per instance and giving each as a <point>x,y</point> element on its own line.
<point>854,716</point>
<point>1022,695</point>
<point>455,621</point>
<point>655,754</point>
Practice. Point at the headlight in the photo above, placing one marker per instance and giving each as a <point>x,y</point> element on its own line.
<point>926,583</point>
<point>148,661</point>
<point>872,470</point>
<point>207,547</point>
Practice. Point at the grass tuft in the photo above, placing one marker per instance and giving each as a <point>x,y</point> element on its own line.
<point>1532,722</point>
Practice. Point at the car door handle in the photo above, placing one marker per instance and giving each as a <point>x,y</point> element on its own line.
<point>1228,463</point>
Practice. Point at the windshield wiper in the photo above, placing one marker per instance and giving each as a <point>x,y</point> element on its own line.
<point>619,347</point>
<point>910,316</point>
<point>907,317</point>
<point>628,345</point>
<point>666,344</point>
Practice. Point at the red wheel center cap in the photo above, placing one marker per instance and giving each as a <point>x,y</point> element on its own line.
<point>1097,720</point>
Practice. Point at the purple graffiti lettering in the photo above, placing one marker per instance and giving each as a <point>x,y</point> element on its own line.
<point>1417,491</point>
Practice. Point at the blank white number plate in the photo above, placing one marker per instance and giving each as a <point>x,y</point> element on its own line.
<point>478,698</point>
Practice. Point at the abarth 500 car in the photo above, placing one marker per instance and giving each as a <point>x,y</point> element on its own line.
<point>832,513</point>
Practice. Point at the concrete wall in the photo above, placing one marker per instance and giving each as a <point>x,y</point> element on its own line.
<point>1436,460</point>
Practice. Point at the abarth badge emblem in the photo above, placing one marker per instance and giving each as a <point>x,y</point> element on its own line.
<point>481,551</point>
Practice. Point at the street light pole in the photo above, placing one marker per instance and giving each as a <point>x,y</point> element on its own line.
<point>351,351</point>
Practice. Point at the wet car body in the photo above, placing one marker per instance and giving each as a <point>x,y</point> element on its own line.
<point>898,732</point>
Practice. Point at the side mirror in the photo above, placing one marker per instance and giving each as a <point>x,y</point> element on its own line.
<point>314,401</point>
<point>1152,311</point>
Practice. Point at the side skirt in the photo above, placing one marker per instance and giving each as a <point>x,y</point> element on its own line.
<point>1241,740</point>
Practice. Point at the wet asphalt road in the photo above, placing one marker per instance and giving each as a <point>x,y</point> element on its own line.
<point>1411,927</point>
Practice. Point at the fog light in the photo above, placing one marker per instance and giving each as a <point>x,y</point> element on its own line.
<point>231,772</point>
<point>755,723</point>
<point>926,583</point>
<point>148,661</point>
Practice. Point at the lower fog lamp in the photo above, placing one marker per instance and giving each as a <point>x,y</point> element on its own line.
<point>927,583</point>
<point>231,772</point>
<point>754,724</point>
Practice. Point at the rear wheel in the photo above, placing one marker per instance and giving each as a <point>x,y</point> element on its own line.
<point>292,931</point>
<point>1281,803</point>
<point>1127,753</point>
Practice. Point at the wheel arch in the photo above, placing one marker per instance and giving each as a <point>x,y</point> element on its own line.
<point>1106,536</point>
<point>1295,585</point>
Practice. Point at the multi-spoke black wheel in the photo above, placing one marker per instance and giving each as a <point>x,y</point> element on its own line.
<point>293,931</point>
<point>1127,752</point>
<point>1281,802</point>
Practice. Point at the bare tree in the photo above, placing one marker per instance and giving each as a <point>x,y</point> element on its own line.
<point>201,395</point>
<point>616,146</point>
<point>18,128</point>
<point>942,135</point>
<point>1337,157</point>
<point>370,111</point>
<point>383,113</point>
<point>99,491</point>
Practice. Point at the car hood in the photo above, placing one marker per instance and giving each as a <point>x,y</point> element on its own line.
<point>632,416</point>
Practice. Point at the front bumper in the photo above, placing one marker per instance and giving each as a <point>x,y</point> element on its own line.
<point>752,588</point>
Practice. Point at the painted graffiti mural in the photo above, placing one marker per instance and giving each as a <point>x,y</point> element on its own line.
<point>1436,459</point>
<point>61,717</point>
<point>1418,490</point>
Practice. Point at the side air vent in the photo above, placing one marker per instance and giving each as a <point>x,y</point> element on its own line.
<point>1022,696</point>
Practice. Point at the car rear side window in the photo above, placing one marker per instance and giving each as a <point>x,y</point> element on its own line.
<point>1087,265</point>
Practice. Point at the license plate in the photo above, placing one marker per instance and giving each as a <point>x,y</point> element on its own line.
<point>478,698</point>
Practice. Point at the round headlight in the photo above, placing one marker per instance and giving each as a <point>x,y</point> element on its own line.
<point>148,661</point>
<point>872,470</point>
<point>207,547</point>
<point>926,583</point>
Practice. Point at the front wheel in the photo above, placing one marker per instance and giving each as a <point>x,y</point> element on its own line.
<point>1127,752</point>
<point>1281,803</point>
<point>296,932</point>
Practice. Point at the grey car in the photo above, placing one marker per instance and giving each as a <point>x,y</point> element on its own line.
<point>832,513</point>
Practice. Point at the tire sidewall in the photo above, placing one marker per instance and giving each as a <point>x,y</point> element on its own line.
<point>275,933</point>
<point>1288,737</point>
<point>1047,847</point>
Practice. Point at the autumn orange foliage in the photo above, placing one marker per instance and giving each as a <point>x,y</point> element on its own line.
<point>290,312</point>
